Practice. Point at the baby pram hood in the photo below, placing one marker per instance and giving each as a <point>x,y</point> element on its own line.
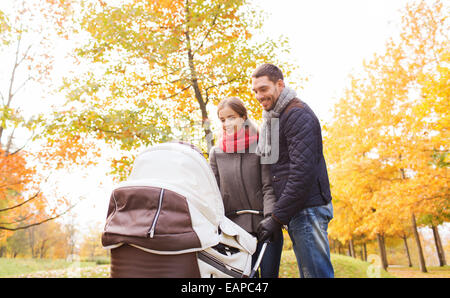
<point>178,174</point>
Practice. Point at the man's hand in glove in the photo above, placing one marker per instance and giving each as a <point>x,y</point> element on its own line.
<point>266,229</point>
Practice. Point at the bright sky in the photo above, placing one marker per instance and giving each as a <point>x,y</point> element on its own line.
<point>330,39</point>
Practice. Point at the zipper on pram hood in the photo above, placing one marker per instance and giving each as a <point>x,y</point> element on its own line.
<point>151,232</point>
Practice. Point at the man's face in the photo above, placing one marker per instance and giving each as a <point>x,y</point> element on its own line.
<point>266,91</point>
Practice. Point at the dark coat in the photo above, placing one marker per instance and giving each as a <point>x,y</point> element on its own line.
<point>245,184</point>
<point>299,177</point>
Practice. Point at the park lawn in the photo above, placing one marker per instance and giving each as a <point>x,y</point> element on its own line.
<point>87,271</point>
<point>344,267</point>
<point>17,267</point>
<point>414,272</point>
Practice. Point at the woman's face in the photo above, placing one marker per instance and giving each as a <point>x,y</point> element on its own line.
<point>231,121</point>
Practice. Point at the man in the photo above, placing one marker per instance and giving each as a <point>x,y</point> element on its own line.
<point>299,175</point>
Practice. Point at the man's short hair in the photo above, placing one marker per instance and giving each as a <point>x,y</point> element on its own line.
<point>271,71</point>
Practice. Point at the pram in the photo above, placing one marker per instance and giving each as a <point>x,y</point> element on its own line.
<point>167,220</point>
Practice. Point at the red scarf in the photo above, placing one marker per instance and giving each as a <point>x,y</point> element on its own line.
<point>238,141</point>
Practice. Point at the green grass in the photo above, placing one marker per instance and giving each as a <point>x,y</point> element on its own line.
<point>15,267</point>
<point>91,271</point>
<point>344,267</point>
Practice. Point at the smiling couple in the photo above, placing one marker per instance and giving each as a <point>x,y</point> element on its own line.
<point>276,177</point>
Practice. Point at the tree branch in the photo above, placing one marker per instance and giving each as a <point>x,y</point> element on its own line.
<point>217,85</point>
<point>13,74</point>
<point>3,98</point>
<point>26,201</point>
<point>10,184</point>
<point>8,145</point>
<point>21,86</point>
<point>21,148</point>
<point>38,223</point>
<point>25,55</point>
<point>175,94</point>
<point>209,30</point>
<point>21,204</point>
<point>17,221</point>
<point>153,83</point>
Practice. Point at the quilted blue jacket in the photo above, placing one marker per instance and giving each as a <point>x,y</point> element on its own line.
<point>299,177</point>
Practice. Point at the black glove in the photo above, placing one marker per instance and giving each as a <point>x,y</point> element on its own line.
<point>266,229</point>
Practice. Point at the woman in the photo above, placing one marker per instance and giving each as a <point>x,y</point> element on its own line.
<point>245,183</point>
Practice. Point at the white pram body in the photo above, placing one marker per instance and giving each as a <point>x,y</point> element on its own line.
<point>170,207</point>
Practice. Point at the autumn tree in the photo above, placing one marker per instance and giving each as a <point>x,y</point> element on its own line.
<point>91,246</point>
<point>27,39</point>
<point>391,127</point>
<point>156,68</point>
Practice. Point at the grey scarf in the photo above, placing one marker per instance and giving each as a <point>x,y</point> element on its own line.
<point>265,138</point>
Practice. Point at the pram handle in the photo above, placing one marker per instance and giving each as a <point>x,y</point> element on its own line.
<point>258,261</point>
<point>245,211</point>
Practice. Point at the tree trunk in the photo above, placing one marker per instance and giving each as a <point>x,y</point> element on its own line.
<point>9,144</point>
<point>31,241</point>
<point>43,248</point>
<point>194,82</point>
<point>407,250</point>
<point>439,248</point>
<point>365,252</point>
<point>382,248</point>
<point>332,245</point>
<point>351,248</point>
<point>422,264</point>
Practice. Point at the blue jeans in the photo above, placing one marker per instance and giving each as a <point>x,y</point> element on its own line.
<point>308,232</point>
<point>270,263</point>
